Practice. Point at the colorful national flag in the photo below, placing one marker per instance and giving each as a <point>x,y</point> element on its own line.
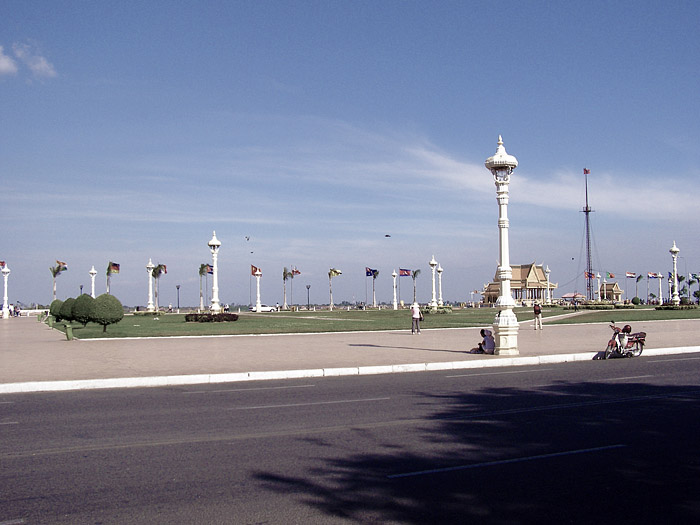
<point>295,271</point>
<point>653,275</point>
<point>61,265</point>
<point>165,269</point>
<point>403,272</point>
<point>333,272</point>
<point>2,264</point>
<point>112,267</point>
<point>254,270</point>
<point>610,275</point>
<point>586,171</point>
<point>670,275</point>
<point>630,275</point>
<point>589,275</point>
<point>210,269</point>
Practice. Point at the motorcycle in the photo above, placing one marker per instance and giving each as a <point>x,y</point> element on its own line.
<point>624,343</point>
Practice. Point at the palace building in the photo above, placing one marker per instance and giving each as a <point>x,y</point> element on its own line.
<point>528,284</point>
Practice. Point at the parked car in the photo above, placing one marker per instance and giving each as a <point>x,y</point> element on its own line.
<point>263,308</point>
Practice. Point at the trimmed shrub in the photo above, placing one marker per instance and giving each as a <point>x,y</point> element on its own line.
<point>55,309</point>
<point>636,301</point>
<point>211,318</point>
<point>66,311</point>
<point>107,310</point>
<point>83,309</point>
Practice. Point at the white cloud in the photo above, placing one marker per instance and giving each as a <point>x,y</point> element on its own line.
<point>37,64</point>
<point>7,65</point>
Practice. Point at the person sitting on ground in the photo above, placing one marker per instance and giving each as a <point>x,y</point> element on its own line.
<point>487,345</point>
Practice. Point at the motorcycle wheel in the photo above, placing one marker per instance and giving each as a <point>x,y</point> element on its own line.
<point>608,351</point>
<point>637,350</point>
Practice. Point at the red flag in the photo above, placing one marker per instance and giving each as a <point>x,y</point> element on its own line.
<point>254,270</point>
<point>586,171</point>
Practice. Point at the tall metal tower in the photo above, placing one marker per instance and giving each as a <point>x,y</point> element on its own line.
<point>589,266</point>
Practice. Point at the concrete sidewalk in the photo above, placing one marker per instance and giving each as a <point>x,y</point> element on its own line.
<point>34,357</point>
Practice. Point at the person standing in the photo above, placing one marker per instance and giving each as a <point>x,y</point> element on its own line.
<point>537,309</point>
<point>416,318</point>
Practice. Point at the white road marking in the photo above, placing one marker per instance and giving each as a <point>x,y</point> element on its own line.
<point>503,462</point>
<point>501,373</point>
<point>313,404</point>
<point>247,389</point>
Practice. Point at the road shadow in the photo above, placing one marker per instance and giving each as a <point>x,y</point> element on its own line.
<point>571,453</point>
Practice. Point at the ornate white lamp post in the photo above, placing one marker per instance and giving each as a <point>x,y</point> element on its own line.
<point>92,273</point>
<point>214,245</point>
<point>660,279</point>
<point>505,326</point>
<point>394,275</point>
<point>548,298</point>
<point>5,304</point>
<point>433,264</point>
<point>676,300</point>
<point>439,272</point>
<point>149,268</point>
<point>258,304</point>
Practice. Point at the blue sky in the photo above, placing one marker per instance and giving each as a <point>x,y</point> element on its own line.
<point>132,130</point>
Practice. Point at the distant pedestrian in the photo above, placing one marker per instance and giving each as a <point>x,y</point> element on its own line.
<point>416,318</point>
<point>537,309</point>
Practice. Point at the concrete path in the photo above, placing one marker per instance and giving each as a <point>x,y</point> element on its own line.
<point>34,357</point>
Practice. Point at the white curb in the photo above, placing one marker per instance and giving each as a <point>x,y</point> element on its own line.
<point>199,379</point>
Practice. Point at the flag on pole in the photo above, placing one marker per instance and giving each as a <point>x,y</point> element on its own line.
<point>112,267</point>
<point>586,171</point>
<point>653,275</point>
<point>610,275</point>
<point>61,265</point>
<point>254,270</point>
<point>2,264</point>
<point>334,272</point>
<point>630,275</point>
<point>589,275</point>
<point>368,271</point>
<point>403,272</point>
<point>295,271</point>
<point>210,269</point>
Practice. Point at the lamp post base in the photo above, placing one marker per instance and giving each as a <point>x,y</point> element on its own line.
<point>505,333</point>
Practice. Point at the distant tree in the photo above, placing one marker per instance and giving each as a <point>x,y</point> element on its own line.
<point>286,274</point>
<point>66,311</point>
<point>55,272</point>
<point>107,310</point>
<point>158,270</point>
<point>414,274</point>
<point>203,270</point>
<point>55,309</point>
<point>83,309</point>
<point>375,274</point>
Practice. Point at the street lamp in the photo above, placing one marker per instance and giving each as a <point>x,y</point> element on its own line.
<point>178,297</point>
<point>676,300</point>
<point>214,245</point>
<point>5,305</point>
<point>439,272</point>
<point>308,303</point>
<point>149,269</point>
<point>505,326</point>
<point>258,304</point>
<point>92,273</point>
<point>549,293</point>
<point>433,264</point>
<point>393,275</point>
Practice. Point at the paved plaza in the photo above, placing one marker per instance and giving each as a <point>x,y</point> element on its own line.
<point>34,357</point>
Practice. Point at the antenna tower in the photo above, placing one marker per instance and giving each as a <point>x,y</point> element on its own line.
<point>589,267</point>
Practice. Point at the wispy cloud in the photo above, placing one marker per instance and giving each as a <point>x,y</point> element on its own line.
<point>7,64</point>
<point>37,64</point>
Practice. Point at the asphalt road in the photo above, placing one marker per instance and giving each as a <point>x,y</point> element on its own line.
<point>567,443</point>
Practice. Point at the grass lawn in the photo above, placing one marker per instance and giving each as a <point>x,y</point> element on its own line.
<point>345,321</point>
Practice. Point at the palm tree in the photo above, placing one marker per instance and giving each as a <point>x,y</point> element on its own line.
<point>636,285</point>
<point>691,282</point>
<point>414,274</point>
<point>203,270</point>
<point>286,274</point>
<point>158,270</point>
<point>55,272</point>
<point>332,273</point>
<point>684,288</point>
<point>375,273</point>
